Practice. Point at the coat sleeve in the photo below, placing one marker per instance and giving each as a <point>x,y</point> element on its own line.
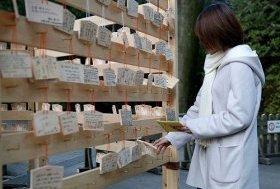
<point>179,139</point>
<point>239,112</point>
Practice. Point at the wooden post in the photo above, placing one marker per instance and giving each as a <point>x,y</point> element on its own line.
<point>170,173</point>
<point>276,138</point>
<point>269,137</point>
<point>262,158</point>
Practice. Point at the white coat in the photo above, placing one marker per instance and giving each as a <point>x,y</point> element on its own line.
<point>230,160</point>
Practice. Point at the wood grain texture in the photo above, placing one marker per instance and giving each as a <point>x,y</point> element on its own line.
<point>25,145</point>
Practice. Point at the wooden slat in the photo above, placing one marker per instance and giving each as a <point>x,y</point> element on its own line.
<point>163,4</point>
<point>276,138</point>
<point>22,90</point>
<point>174,46</point>
<point>59,41</point>
<point>269,137</point>
<point>171,174</point>
<point>114,14</point>
<point>116,146</point>
<point>7,18</point>
<point>17,115</point>
<point>92,179</point>
<point>24,146</point>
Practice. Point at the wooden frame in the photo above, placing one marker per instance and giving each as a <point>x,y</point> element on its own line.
<point>19,146</point>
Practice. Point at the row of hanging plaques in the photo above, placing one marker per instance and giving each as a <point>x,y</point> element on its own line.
<point>50,13</point>
<point>50,176</point>
<point>20,64</point>
<point>48,122</point>
<point>91,32</point>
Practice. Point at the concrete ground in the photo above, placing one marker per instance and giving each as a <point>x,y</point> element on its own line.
<point>269,179</point>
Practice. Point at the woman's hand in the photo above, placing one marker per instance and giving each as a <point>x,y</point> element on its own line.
<point>161,145</point>
<point>184,129</point>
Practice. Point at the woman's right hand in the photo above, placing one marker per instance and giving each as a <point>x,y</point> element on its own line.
<point>161,145</point>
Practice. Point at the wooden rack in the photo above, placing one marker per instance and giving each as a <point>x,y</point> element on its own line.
<point>20,146</point>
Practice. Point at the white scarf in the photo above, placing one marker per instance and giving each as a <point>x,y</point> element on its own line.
<point>212,62</point>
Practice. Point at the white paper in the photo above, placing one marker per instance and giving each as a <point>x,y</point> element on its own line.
<point>68,22</point>
<point>109,76</point>
<point>44,12</point>
<point>124,157</point>
<point>88,31</point>
<point>15,64</point>
<point>19,106</point>
<point>160,47</point>
<point>114,109</point>
<point>104,36</point>
<point>147,148</point>
<point>93,120</point>
<point>47,177</point>
<point>143,110</point>
<point>170,114</point>
<point>171,81</point>
<point>168,53</point>
<point>136,152</point>
<point>139,77</point>
<point>132,8</point>
<point>89,107</point>
<point>126,107</point>
<point>108,163</point>
<point>126,117</point>
<point>45,67</point>
<point>70,72</point>
<point>157,111</point>
<point>57,108</point>
<point>46,123</point>
<point>46,107</point>
<point>69,123</point>
<point>77,107</point>
<point>4,107</point>
<point>160,80</point>
<point>150,80</point>
<point>146,45</point>
<point>105,2</point>
<point>91,75</point>
<point>3,46</point>
<point>158,19</point>
<point>137,41</point>
<point>121,4</point>
<point>148,13</point>
<point>125,76</point>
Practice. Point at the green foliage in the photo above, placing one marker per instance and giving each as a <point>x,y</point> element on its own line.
<point>272,90</point>
<point>261,24</point>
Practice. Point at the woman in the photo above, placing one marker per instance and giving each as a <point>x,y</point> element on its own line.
<point>223,119</point>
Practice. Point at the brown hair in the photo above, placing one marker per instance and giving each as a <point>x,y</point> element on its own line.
<point>217,28</point>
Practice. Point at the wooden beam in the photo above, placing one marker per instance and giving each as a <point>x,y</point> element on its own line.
<point>23,146</point>
<point>113,13</point>
<point>170,173</point>
<point>17,115</point>
<point>92,179</point>
<point>163,4</point>
<point>59,41</point>
<point>7,18</point>
<point>22,90</point>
